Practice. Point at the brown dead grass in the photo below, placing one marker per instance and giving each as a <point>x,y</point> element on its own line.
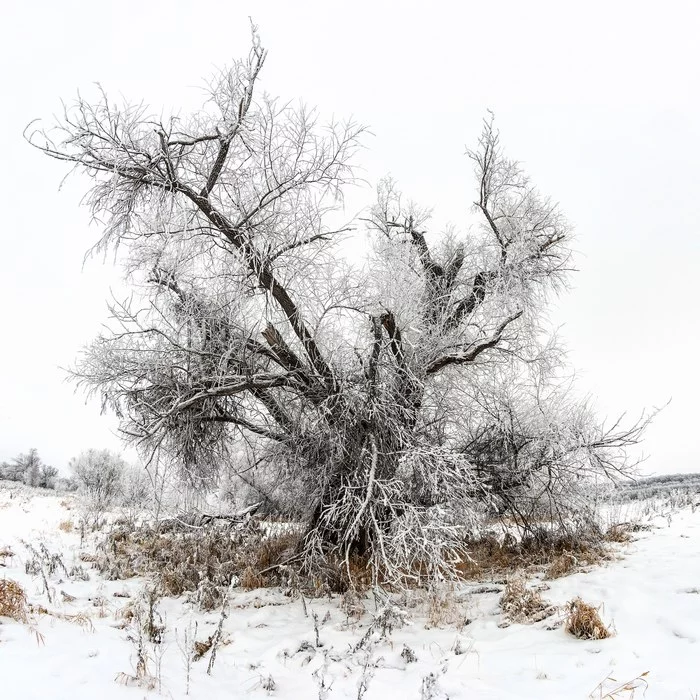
<point>524,605</point>
<point>13,601</point>
<point>340,576</point>
<point>250,580</point>
<point>562,565</point>
<point>443,608</point>
<point>619,533</point>
<point>583,621</point>
<point>201,648</point>
<point>65,526</point>
<point>273,551</point>
<point>558,554</point>
<point>201,562</point>
<point>81,619</point>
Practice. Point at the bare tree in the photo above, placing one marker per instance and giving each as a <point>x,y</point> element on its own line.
<point>355,393</point>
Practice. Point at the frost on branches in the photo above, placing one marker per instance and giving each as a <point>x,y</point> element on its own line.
<point>388,406</point>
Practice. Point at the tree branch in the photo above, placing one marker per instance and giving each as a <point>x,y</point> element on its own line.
<point>474,350</point>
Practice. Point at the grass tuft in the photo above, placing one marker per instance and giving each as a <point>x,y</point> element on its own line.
<point>524,605</point>
<point>13,601</point>
<point>583,621</point>
<point>619,533</point>
<point>66,526</point>
<point>562,565</point>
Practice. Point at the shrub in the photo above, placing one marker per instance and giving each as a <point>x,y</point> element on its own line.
<point>48,476</point>
<point>136,492</point>
<point>66,526</point>
<point>99,474</point>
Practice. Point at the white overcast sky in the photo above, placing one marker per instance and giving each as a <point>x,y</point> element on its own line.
<point>599,100</point>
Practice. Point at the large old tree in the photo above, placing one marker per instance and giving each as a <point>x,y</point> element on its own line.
<point>386,404</point>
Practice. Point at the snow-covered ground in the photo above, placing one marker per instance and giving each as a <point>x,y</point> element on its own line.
<point>650,594</point>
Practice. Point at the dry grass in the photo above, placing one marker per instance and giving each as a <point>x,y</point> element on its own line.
<point>65,526</point>
<point>141,679</point>
<point>273,551</point>
<point>612,689</point>
<point>559,554</point>
<point>524,605</point>
<point>201,648</point>
<point>13,601</point>
<point>488,557</point>
<point>201,562</point>
<point>443,608</point>
<point>81,619</point>
<point>583,621</point>
<point>352,604</point>
<point>562,565</point>
<point>126,613</point>
<point>336,575</point>
<point>619,533</point>
<point>250,579</point>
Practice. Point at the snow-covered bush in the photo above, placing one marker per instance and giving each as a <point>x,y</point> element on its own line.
<point>99,474</point>
<point>136,493</point>
<point>30,469</point>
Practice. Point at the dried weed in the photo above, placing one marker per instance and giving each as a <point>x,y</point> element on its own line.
<point>583,621</point>
<point>524,605</point>
<point>13,601</point>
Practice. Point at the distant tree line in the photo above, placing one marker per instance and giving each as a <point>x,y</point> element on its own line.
<point>31,470</point>
<point>102,478</point>
<point>654,486</point>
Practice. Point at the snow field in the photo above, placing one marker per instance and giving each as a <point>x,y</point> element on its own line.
<point>278,646</point>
